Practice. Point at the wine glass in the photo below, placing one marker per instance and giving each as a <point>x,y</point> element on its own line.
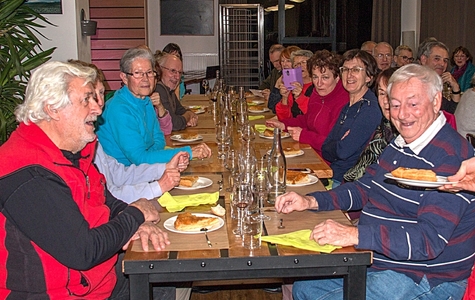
<point>260,187</point>
<point>242,199</point>
<point>248,132</point>
<point>247,167</point>
<point>223,137</point>
<point>205,85</point>
<point>232,164</point>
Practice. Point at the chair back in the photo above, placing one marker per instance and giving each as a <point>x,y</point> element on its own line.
<point>471,139</point>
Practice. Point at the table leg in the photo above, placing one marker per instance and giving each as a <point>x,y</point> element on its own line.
<point>354,284</point>
<point>139,287</point>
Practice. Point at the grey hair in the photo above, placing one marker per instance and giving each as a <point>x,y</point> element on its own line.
<point>402,47</point>
<point>426,49</point>
<point>165,56</point>
<point>131,55</point>
<point>425,75</point>
<point>306,53</point>
<point>49,85</point>
<point>385,44</point>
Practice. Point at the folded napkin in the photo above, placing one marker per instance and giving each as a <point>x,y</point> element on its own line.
<point>252,118</point>
<point>177,203</point>
<point>299,239</point>
<point>260,127</point>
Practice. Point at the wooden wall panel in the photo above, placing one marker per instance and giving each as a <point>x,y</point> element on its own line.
<point>121,24</point>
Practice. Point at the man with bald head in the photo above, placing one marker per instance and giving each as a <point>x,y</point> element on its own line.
<point>171,68</point>
<point>383,53</point>
<point>368,46</point>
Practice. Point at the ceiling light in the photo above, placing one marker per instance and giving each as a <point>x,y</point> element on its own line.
<point>276,7</point>
<point>297,1</point>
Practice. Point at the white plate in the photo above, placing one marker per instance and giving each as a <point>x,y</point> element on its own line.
<point>300,153</point>
<point>257,102</point>
<point>257,93</point>
<point>441,180</point>
<point>170,224</point>
<point>201,183</point>
<point>197,109</point>
<point>177,137</point>
<point>265,109</point>
<point>311,180</point>
<point>283,135</point>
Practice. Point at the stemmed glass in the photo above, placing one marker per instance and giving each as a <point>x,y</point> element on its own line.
<point>248,132</point>
<point>247,167</point>
<point>232,164</point>
<point>223,137</point>
<point>205,84</point>
<point>260,187</point>
<point>242,199</point>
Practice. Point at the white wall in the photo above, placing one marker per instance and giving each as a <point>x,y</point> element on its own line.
<point>411,18</point>
<point>66,36</point>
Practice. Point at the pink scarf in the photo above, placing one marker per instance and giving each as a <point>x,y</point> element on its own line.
<point>458,72</point>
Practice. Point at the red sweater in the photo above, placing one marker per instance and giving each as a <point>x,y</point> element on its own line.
<point>321,115</point>
<point>284,112</point>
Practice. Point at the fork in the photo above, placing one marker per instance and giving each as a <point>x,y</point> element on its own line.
<point>206,236</point>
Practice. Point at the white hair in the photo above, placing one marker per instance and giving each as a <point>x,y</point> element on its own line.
<point>49,85</point>
<point>427,76</point>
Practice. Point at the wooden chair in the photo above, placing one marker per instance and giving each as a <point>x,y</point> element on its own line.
<point>471,138</point>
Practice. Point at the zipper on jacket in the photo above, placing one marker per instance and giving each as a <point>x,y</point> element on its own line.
<point>88,187</point>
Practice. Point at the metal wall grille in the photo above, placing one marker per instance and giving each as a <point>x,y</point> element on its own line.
<point>241,44</point>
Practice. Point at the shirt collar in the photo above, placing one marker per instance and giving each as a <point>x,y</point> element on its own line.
<point>425,138</point>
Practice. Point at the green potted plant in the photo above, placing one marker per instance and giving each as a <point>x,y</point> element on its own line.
<point>20,52</point>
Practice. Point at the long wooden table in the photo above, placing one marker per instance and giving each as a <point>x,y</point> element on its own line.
<point>190,259</point>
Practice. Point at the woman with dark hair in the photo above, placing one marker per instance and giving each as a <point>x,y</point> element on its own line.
<point>174,49</point>
<point>358,119</point>
<point>383,134</point>
<point>463,69</point>
<point>324,105</point>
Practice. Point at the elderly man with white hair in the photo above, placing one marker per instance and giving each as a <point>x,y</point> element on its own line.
<point>422,239</point>
<point>60,228</point>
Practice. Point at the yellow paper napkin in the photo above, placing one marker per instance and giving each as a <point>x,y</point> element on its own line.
<point>252,118</point>
<point>260,127</point>
<point>177,203</point>
<point>298,239</point>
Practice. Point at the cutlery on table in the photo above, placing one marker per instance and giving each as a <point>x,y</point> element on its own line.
<point>206,236</point>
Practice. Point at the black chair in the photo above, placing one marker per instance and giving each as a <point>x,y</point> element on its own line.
<point>471,138</point>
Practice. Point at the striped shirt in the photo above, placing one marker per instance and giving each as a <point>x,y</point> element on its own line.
<point>414,231</point>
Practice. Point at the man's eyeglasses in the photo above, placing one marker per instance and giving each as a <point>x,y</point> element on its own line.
<point>174,72</point>
<point>405,58</point>
<point>140,75</point>
<point>354,70</point>
<point>380,56</point>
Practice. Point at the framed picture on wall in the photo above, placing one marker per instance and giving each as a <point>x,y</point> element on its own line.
<point>187,17</point>
<point>45,6</point>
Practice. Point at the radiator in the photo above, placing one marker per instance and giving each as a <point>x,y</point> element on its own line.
<point>194,64</point>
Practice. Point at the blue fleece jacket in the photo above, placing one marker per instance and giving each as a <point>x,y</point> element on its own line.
<point>129,131</point>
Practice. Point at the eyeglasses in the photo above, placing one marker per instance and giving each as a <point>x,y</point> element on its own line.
<point>380,56</point>
<point>354,70</point>
<point>405,58</point>
<point>460,56</point>
<point>300,64</point>
<point>174,72</point>
<point>140,75</point>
